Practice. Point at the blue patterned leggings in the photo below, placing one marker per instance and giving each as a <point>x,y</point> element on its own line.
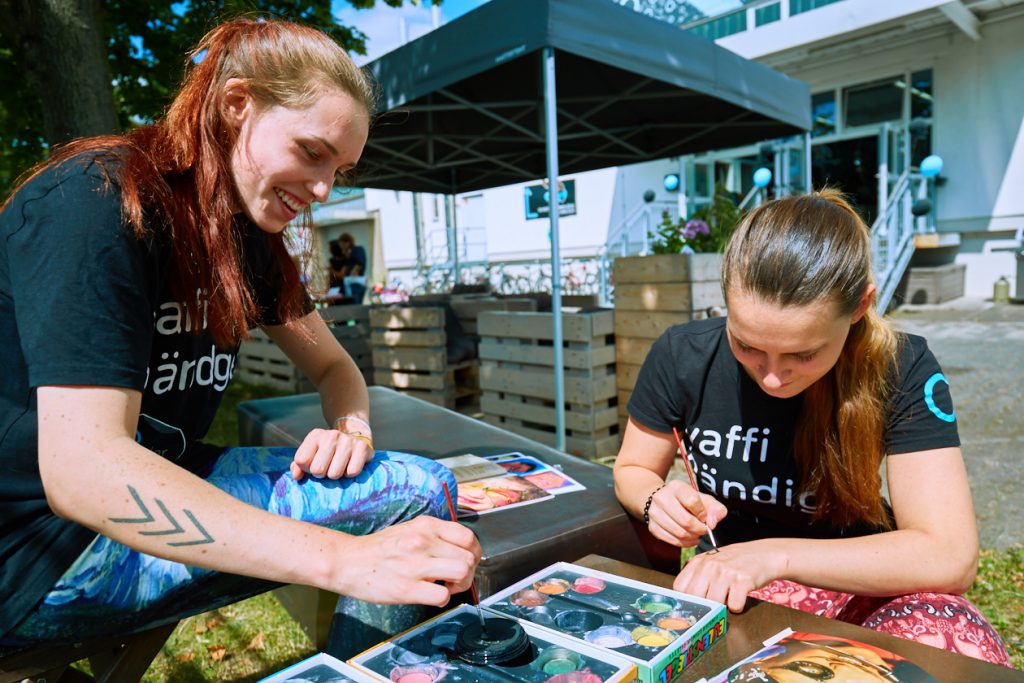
<point>112,589</point>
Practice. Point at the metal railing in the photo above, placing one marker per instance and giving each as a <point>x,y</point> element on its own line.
<point>892,239</point>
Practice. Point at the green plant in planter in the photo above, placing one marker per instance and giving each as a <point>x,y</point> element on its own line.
<point>707,230</point>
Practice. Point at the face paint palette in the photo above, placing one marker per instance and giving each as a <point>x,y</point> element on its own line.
<point>454,647</point>
<point>660,630</point>
<point>319,669</point>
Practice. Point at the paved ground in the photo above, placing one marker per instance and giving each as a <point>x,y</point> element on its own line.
<point>981,349</point>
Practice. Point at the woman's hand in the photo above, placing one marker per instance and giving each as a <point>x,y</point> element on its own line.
<point>331,453</point>
<point>728,574</point>
<point>423,561</point>
<point>680,516</point>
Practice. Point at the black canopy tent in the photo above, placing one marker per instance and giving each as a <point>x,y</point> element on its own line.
<point>473,104</point>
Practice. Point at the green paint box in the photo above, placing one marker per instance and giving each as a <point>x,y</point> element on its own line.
<point>660,630</point>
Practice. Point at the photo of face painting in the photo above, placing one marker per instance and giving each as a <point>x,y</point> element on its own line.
<point>487,495</point>
<point>540,473</point>
<point>808,657</point>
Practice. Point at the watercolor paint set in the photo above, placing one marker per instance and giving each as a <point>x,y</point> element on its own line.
<point>660,630</point>
<point>465,645</point>
<point>320,668</point>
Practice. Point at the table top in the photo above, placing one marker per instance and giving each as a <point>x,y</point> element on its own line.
<point>516,542</point>
<point>748,630</point>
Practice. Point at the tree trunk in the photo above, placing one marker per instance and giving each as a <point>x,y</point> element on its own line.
<point>64,52</point>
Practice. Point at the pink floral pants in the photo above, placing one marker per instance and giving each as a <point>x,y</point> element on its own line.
<point>945,621</point>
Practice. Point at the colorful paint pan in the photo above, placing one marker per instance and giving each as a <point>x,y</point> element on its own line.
<point>588,585</point>
<point>674,620</point>
<point>528,598</point>
<point>652,603</point>
<point>575,677</point>
<point>652,636</point>
<point>426,673</point>
<point>557,660</point>
<point>543,616</point>
<point>552,586</point>
<point>578,621</point>
<point>609,637</point>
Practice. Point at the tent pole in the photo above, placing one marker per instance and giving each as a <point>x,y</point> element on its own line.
<point>551,134</point>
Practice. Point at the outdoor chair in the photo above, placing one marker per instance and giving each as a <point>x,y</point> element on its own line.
<point>117,659</point>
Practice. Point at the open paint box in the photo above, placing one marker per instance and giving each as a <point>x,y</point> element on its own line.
<point>660,630</point>
<point>319,668</point>
<point>448,648</point>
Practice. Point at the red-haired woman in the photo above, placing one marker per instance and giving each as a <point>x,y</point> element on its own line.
<point>115,517</point>
<point>790,405</point>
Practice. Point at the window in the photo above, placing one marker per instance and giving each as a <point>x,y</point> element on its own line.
<point>874,102</point>
<point>767,14</point>
<point>823,113</point>
<point>723,26</point>
<point>921,94</point>
<point>801,6</point>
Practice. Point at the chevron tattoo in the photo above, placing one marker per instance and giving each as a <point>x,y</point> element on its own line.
<point>175,526</point>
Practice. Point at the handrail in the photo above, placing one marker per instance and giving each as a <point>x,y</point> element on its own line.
<point>892,240</point>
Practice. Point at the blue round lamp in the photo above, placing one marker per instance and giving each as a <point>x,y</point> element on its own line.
<point>762,177</point>
<point>931,166</point>
<point>671,182</point>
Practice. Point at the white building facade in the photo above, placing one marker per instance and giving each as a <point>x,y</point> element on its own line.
<point>891,82</point>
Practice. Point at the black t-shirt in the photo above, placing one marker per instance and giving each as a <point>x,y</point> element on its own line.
<point>740,438</point>
<point>84,302</point>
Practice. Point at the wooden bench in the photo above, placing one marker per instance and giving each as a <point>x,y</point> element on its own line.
<point>117,659</point>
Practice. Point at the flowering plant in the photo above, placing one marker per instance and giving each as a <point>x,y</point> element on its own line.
<point>707,230</point>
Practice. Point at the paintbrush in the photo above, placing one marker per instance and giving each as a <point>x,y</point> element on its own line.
<point>693,480</point>
<point>472,584</point>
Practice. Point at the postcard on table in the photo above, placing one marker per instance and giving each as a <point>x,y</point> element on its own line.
<point>802,656</point>
<point>540,473</point>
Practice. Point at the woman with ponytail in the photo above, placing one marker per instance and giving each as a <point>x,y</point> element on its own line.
<point>167,244</point>
<point>788,409</point>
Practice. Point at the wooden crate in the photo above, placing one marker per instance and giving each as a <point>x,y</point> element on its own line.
<point>652,293</point>
<point>516,367</point>
<point>351,327</point>
<point>261,362</point>
<point>410,355</point>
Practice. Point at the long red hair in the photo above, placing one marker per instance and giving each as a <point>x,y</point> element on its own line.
<point>175,174</point>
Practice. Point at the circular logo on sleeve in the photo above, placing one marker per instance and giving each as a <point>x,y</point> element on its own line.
<point>929,398</point>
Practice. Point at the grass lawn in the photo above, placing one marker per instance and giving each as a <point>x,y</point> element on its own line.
<point>255,638</point>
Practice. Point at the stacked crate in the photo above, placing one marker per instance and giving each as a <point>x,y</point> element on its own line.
<point>410,355</point>
<point>516,371</point>
<point>351,327</point>
<point>262,363</point>
<point>652,293</point>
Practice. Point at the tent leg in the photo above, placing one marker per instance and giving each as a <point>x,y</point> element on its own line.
<point>551,135</point>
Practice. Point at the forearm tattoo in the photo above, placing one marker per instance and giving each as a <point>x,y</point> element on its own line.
<point>168,518</point>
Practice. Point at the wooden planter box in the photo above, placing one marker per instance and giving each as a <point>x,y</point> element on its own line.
<point>652,293</point>
<point>410,355</point>
<point>517,364</point>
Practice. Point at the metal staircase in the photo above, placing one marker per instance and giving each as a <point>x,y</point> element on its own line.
<point>892,236</point>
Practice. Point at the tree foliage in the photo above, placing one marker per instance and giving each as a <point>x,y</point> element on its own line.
<point>147,42</point>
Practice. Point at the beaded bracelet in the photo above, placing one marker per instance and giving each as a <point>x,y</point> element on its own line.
<point>647,505</point>
<point>353,418</point>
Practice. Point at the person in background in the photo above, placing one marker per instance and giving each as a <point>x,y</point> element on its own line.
<point>114,516</point>
<point>790,405</point>
<point>348,267</point>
